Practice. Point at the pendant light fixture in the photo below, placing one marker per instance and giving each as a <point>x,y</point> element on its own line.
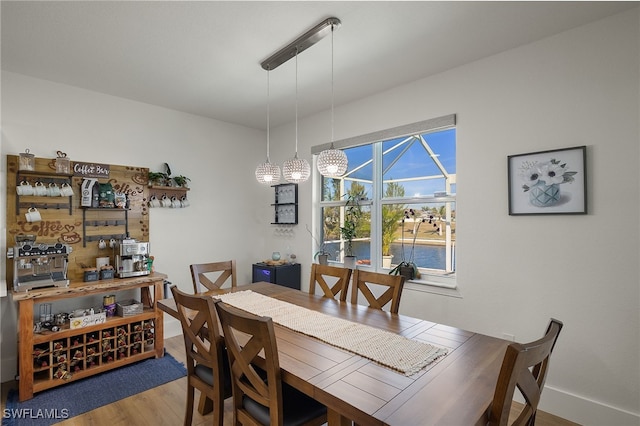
<point>332,162</point>
<point>267,173</point>
<point>296,170</point>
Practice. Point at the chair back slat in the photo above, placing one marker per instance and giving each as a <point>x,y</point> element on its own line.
<point>202,282</point>
<point>364,282</point>
<point>340,278</point>
<point>247,337</point>
<point>204,346</point>
<point>524,367</point>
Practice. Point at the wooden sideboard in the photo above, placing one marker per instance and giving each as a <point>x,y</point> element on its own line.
<point>82,352</point>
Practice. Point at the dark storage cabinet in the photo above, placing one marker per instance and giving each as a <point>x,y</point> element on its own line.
<point>285,275</point>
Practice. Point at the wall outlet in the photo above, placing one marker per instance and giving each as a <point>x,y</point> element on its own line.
<point>508,336</point>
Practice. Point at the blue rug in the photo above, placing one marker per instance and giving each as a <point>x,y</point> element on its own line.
<point>63,402</point>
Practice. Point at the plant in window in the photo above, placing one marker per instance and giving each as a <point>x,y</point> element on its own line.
<point>322,254</point>
<point>352,215</point>
<point>391,215</point>
<point>407,267</point>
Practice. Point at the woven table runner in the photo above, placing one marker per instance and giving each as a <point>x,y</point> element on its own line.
<point>389,349</point>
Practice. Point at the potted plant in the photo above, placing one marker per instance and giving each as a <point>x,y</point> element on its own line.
<point>157,178</point>
<point>349,228</point>
<point>181,181</point>
<point>391,215</point>
<point>408,268</point>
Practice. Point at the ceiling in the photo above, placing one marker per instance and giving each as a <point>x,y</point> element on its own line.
<point>203,57</point>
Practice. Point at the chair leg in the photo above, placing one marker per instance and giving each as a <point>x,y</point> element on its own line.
<point>205,405</point>
<point>188,417</point>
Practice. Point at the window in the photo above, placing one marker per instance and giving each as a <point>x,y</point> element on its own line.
<point>405,184</point>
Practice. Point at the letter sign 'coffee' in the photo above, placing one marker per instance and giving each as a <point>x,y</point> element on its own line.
<point>91,170</point>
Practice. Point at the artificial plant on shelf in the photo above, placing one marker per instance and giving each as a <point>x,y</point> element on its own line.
<point>182,181</point>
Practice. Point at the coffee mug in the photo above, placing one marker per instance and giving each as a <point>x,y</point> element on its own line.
<point>112,243</point>
<point>24,188</point>
<point>165,201</point>
<point>102,244</point>
<point>175,203</point>
<point>40,190</point>
<point>54,190</point>
<point>33,215</point>
<point>66,190</point>
<point>154,202</point>
<point>184,201</point>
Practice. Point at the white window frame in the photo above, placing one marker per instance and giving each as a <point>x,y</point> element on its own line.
<point>431,281</point>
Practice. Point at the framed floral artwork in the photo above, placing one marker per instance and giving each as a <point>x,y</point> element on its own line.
<point>548,182</point>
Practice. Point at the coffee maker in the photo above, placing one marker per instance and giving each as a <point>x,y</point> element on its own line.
<point>132,258</point>
<point>38,265</point>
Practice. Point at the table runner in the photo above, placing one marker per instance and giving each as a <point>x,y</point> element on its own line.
<point>389,349</point>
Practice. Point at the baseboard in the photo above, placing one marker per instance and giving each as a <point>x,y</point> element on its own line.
<point>584,411</point>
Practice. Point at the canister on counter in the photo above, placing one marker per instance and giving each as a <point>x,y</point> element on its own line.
<point>109,304</point>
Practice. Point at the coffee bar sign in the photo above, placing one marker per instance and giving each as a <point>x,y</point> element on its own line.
<point>90,170</point>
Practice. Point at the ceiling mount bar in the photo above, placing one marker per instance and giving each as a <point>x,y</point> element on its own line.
<point>300,44</point>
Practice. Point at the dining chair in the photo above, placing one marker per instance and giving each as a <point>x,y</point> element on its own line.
<point>259,395</point>
<point>366,283</point>
<point>319,273</point>
<point>206,359</point>
<point>524,366</point>
<point>202,274</point>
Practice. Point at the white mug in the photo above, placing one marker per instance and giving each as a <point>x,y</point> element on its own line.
<point>66,190</point>
<point>102,244</point>
<point>154,202</point>
<point>54,190</point>
<point>165,201</point>
<point>184,202</point>
<point>175,203</point>
<point>24,188</point>
<point>40,190</point>
<point>33,215</point>
<point>112,243</point>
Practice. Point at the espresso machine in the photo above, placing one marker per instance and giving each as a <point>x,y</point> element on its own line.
<point>132,258</point>
<point>39,265</point>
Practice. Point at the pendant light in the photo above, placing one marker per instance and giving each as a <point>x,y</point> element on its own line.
<point>332,162</point>
<point>296,170</point>
<point>267,173</point>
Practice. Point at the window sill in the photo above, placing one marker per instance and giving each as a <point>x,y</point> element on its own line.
<point>444,285</point>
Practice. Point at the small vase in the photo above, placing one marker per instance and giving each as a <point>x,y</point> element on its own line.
<point>542,195</point>
<point>407,272</point>
<point>350,262</point>
<point>323,259</point>
<point>386,261</point>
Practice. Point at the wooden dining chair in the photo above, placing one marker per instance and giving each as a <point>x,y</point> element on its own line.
<point>319,275</point>
<point>259,395</point>
<point>524,367</point>
<point>366,283</point>
<point>206,359</point>
<point>202,274</point>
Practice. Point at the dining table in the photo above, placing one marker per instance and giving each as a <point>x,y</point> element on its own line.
<point>454,389</point>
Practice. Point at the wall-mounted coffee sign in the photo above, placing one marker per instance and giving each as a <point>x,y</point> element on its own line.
<point>93,170</point>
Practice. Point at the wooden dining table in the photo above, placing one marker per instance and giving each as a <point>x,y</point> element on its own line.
<point>454,390</point>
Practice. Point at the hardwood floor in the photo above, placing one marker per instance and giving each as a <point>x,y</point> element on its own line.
<point>164,405</point>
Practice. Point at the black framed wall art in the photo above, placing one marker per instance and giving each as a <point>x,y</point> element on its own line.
<point>548,182</point>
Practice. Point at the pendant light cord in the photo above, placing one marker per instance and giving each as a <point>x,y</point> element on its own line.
<point>332,90</point>
<point>268,120</point>
<point>296,103</point>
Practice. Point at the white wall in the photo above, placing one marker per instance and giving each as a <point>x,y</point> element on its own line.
<point>229,210</point>
<point>578,88</point>
<point>514,273</point>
